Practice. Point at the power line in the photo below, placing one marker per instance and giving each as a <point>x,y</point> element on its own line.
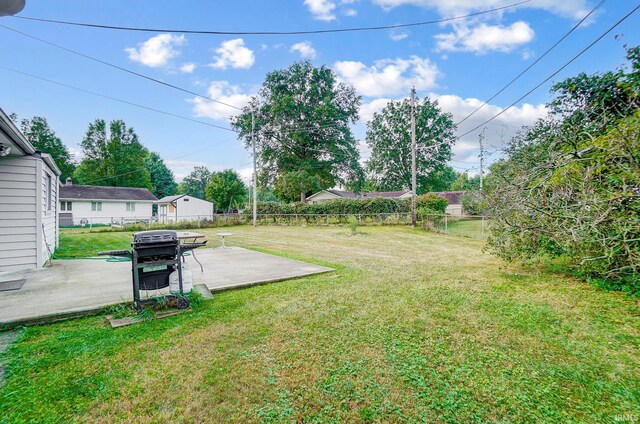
<point>138,74</point>
<point>554,73</point>
<point>576,26</point>
<point>116,99</point>
<point>308,32</point>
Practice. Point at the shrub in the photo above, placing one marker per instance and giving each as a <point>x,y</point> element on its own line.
<point>473,203</point>
<point>353,224</point>
<point>432,201</point>
<point>430,218</point>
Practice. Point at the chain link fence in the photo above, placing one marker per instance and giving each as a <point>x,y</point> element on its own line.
<point>464,226</point>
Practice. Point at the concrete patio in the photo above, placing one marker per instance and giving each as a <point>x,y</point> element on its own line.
<point>76,287</point>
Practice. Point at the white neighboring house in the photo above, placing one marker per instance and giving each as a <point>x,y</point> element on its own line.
<point>28,201</point>
<point>454,208</point>
<point>84,204</point>
<point>183,208</point>
<point>327,195</point>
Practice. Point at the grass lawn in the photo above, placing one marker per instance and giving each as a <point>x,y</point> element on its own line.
<point>412,326</point>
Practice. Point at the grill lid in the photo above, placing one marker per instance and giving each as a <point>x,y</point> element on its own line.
<point>155,237</point>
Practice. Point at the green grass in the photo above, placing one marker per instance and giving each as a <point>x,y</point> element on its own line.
<point>412,326</point>
<point>80,244</point>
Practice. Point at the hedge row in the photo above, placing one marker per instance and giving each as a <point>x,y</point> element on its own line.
<point>372,205</point>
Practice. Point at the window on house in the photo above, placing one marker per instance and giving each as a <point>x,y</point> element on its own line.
<point>96,206</point>
<point>49,192</point>
<point>65,206</point>
<point>131,207</point>
<point>185,199</point>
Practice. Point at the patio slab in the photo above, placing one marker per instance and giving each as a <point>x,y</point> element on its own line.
<point>82,286</point>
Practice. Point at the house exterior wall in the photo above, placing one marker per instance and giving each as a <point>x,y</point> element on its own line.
<point>187,208</point>
<point>117,209</point>
<point>454,210</point>
<point>191,207</point>
<point>323,197</point>
<point>18,213</point>
<point>47,227</point>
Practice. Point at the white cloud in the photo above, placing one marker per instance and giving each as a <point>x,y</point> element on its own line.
<point>157,51</point>
<point>225,93</point>
<point>497,131</point>
<point>305,49</point>
<point>368,109</point>
<point>483,38</point>
<point>388,77</point>
<point>574,9</point>
<point>397,36</point>
<point>233,53</point>
<point>321,10</point>
<point>188,67</point>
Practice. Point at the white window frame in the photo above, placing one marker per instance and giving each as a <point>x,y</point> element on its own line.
<point>49,191</point>
<point>131,206</point>
<point>96,206</point>
<point>66,206</point>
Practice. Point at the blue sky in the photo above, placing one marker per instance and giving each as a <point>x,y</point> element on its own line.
<point>460,63</point>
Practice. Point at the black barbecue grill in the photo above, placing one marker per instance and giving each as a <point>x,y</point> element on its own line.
<point>154,256</point>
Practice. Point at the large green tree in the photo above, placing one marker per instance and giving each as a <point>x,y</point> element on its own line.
<point>196,182</point>
<point>465,183</point>
<point>162,180</point>
<point>303,138</point>
<point>569,185</point>
<point>43,138</point>
<point>226,190</point>
<point>113,156</point>
<point>389,136</point>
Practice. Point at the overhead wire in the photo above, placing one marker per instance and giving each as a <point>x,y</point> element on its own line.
<point>525,70</point>
<point>556,72</point>
<point>123,69</point>
<point>303,32</point>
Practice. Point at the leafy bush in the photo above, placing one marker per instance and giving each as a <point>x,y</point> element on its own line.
<point>570,186</point>
<point>473,203</point>
<point>432,201</point>
<point>353,224</point>
<point>429,218</point>
<point>373,205</point>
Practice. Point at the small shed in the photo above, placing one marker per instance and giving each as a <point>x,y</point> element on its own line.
<point>454,198</point>
<point>183,207</point>
<point>29,183</point>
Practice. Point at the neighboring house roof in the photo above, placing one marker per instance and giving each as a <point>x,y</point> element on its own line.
<point>364,194</point>
<point>453,197</point>
<point>86,192</point>
<point>170,199</point>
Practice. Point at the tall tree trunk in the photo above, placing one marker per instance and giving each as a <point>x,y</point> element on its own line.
<point>303,197</point>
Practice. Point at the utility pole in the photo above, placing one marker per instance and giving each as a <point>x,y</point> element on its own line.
<point>482,173</point>
<point>255,170</point>
<point>482,157</point>
<point>413,157</point>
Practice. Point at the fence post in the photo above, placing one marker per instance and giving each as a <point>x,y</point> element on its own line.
<point>482,227</point>
<point>446,224</point>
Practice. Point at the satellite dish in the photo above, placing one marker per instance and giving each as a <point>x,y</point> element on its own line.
<point>11,7</point>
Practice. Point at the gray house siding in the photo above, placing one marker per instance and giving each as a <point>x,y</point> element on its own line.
<point>18,213</point>
<point>48,226</point>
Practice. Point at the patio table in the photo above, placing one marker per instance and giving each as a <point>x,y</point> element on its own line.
<point>189,237</point>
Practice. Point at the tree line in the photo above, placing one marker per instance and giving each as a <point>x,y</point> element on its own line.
<point>113,155</point>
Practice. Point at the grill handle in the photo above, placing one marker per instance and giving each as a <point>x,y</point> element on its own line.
<point>124,253</point>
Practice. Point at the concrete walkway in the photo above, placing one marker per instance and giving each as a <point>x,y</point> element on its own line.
<point>72,287</point>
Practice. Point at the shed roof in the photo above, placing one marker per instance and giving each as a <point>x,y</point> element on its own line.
<point>453,197</point>
<point>86,192</point>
